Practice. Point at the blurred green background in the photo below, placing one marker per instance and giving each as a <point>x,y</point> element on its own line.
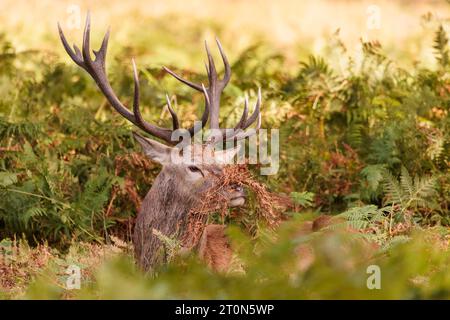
<point>359,90</point>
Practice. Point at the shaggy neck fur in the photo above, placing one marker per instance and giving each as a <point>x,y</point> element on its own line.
<point>165,208</point>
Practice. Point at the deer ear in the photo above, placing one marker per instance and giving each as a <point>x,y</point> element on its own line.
<point>154,150</point>
<point>226,156</point>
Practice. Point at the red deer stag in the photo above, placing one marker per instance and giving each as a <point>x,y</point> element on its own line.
<point>181,184</point>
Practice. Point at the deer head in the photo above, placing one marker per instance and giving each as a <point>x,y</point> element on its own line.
<point>183,179</point>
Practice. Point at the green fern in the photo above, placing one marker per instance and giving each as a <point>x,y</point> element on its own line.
<point>24,129</point>
<point>304,199</point>
<point>435,150</point>
<point>361,218</point>
<point>172,246</point>
<point>374,175</point>
<point>315,66</point>
<point>441,47</point>
<point>355,134</point>
<point>7,179</point>
<point>34,212</point>
<point>370,220</point>
<point>408,192</point>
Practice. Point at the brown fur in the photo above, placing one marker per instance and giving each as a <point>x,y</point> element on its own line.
<point>214,247</point>
<point>161,210</point>
<point>166,209</point>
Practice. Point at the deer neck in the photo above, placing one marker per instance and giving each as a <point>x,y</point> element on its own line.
<point>168,201</point>
<point>165,209</point>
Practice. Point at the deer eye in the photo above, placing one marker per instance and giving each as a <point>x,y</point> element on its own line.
<point>195,169</point>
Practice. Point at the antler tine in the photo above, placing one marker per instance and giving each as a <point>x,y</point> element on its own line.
<point>250,133</point>
<point>243,119</point>
<point>256,113</point>
<point>212,72</point>
<point>96,69</point>
<point>241,134</point>
<point>137,112</point>
<point>213,92</point>
<point>205,115</point>
<point>85,48</point>
<point>76,56</point>
<point>100,54</point>
<point>207,69</point>
<point>181,79</point>
<point>244,123</point>
<point>205,92</point>
<point>227,73</point>
<point>140,122</point>
<point>175,123</point>
<point>216,85</point>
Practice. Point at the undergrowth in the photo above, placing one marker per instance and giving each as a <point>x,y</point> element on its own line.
<point>360,139</point>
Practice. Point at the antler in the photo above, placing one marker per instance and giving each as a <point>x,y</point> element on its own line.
<point>213,93</point>
<point>96,68</point>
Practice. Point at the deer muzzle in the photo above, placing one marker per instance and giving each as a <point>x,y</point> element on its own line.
<point>237,196</point>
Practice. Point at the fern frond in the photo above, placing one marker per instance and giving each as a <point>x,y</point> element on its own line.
<point>361,217</point>
<point>355,134</point>
<point>441,47</point>
<point>171,244</point>
<point>393,190</point>
<point>406,182</point>
<point>424,189</point>
<point>436,148</point>
<point>394,241</point>
<point>409,192</point>
<point>374,175</point>
<point>305,199</point>
<point>315,66</point>
<point>7,178</point>
<point>30,214</point>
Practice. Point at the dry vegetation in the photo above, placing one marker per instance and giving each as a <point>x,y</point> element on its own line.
<point>365,148</point>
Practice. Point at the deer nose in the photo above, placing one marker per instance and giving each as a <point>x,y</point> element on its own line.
<point>239,189</point>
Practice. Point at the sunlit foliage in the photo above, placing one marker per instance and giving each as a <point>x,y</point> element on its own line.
<point>361,139</point>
